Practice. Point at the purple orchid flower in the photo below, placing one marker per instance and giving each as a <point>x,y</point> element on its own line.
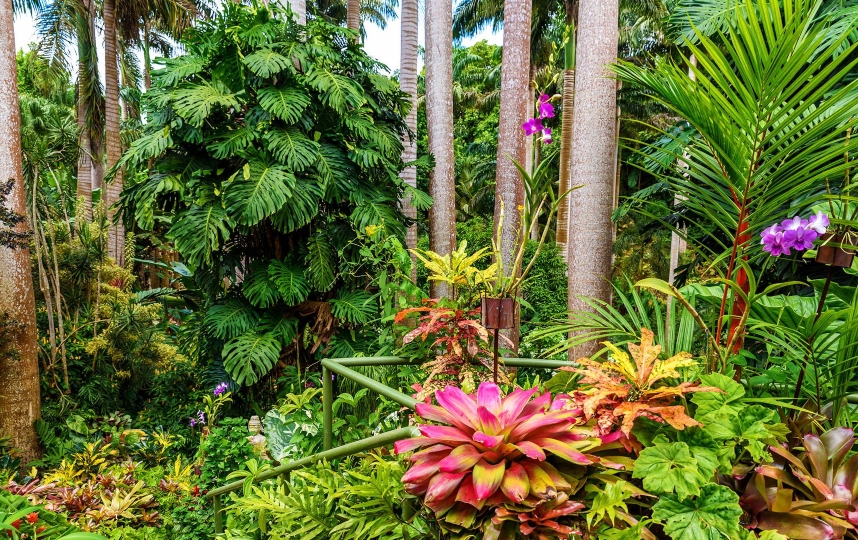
<point>533,125</point>
<point>800,238</point>
<point>774,244</point>
<point>546,109</point>
<point>201,417</point>
<point>221,388</point>
<point>546,136</point>
<point>794,223</point>
<point>773,230</point>
<point>819,223</point>
<point>193,422</point>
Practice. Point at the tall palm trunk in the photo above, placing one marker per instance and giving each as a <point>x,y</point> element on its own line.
<point>84,162</point>
<point>439,120</point>
<point>116,232</point>
<point>566,123</point>
<point>515,88</point>
<point>353,14</point>
<point>20,403</point>
<point>408,84</point>
<point>593,157</point>
<point>299,7</point>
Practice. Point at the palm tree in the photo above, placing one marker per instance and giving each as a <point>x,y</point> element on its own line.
<point>353,16</point>
<point>567,115</point>
<point>439,121</point>
<point>408,84</point>
<point>593,157</point>
<point>20,403</point>
<point>515,87</point>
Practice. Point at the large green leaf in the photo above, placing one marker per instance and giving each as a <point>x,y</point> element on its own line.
<point>290,281</point>
<point>669,468</point>
<point>258,287</point>
<point>286,104</point>
<point>284,328</point>
<point>257,191</point>
<point>266,62</point>
<point>200,231</point>
<point>300,209</point>
<point>292,148</point>
<point>320,262</point>
<point>250,356</point>
<point>714,515</point>
<point>337,91</point>
<point>355,307</point>
<point>195,102</point>
<point>230,319</point>
<point>232,140</point>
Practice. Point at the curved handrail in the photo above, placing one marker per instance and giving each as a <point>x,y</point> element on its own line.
<point>342,367</point>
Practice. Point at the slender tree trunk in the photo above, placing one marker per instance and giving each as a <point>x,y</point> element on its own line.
<point>299,7</point>
<point>566,123</point>
<point>515,87</point>
<point>147,60</point>
<point>439,119</point>
<point>95,103</point>
<point>84,162</point>
<point>20,403</point>
<point>116,232</point>
<point>353,14</point>
<point>593,157</point>
<point>408,84</point>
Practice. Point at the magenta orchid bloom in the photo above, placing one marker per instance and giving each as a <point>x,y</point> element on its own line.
<point>545,108</point>
<point>819,223</point>
<point>546,136</point>
<point>794,223</point>
<point>800,239</point>
<point>774,244</point>
<point>491,450</point>
<point>533,125</point>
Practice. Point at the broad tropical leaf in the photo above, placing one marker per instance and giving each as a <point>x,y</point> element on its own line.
<point>195,103</point>
<point>266,62</point>
<point>290,281</point>
<point>231,319</point>
<point>292,148</point>
<point>257,191</point>
<point>714,515</point>
<point>355,307</point>
<point>201,231</point>
<point>286,104</point>
<point>320,262</point>
<point>250,356</point>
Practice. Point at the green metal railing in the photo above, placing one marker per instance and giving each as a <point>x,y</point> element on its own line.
<point>342,367</point>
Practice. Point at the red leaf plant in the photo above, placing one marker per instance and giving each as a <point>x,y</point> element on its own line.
<point>493,451</point>
<point>456,338</point>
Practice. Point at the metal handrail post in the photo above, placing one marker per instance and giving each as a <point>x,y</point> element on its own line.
<point>327,408</point>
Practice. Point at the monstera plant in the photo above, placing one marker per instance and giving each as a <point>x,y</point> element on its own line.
<point>271,154</point>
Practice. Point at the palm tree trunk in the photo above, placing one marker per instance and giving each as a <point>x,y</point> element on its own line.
<point>593,157</point>
<point>147,60</point>
<point>439,120</point>
<point>299,7</point>
<point>515,86</point>
<point>566,121</point>
<point>20,403</point>
<point>353,14</point>
<point>84,162</point>
<point>408,84</point>
<point>116,232</point>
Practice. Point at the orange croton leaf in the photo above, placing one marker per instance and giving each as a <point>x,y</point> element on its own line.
<point>632,381</point>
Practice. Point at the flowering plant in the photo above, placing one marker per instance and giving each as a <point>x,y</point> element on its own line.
<point>491,459</point>
<point>794,233</point>
<point>544,110</point>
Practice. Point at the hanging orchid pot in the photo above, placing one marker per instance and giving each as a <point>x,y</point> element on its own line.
<point>835,250</point>
<point>498,313</point>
